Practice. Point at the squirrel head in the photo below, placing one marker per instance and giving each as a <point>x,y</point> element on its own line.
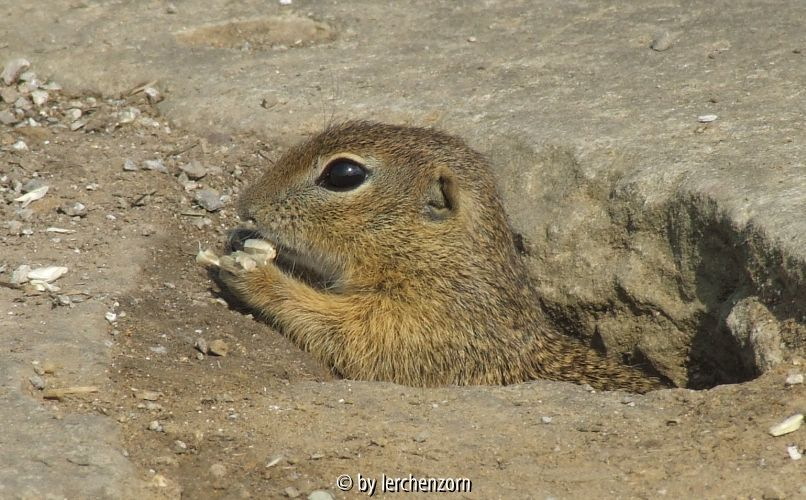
<point>362,202</point>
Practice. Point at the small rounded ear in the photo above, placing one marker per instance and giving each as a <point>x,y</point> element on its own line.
<point>441,197</point>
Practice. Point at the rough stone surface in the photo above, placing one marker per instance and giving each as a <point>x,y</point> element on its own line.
<point>757,333</point>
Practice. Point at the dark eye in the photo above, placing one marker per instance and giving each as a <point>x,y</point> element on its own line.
<point>342,175</point>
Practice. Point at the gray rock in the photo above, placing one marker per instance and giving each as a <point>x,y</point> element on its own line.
<point>23,103</point>
<point>37,381</point>
<point>7,117</point>
<point>73,209</point>
<point>9,95</point>
<point>662,41</point>
<point>757,333</point>
<point>40,97</point>
<point>209,199</point>
<point>13,69</point>
<point>128,164</point>
<point>157,165</point>
<point>194,170</point>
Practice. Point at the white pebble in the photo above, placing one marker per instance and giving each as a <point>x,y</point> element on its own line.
<point>794,453</point>
<point>706,118</point>
<point>32,195</point>
<point>791,424</point>
<point>794,379</point>
<point>47,274</point>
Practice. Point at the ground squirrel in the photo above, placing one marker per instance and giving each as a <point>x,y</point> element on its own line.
<point>395,262</point>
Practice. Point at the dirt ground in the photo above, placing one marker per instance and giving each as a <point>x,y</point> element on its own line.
<point>265,420</point>
<point>105,391</point>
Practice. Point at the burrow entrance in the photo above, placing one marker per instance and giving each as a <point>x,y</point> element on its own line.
<point>675,286</point>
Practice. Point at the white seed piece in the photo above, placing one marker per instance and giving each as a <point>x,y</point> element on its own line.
<point>791,424</point>
<point>207,258</point>
<point>260,248</point>
<point>245,260</point>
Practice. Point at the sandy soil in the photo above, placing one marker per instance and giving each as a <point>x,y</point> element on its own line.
<point>265,421</point>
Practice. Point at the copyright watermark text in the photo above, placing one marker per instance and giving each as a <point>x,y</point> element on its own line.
<point>405,484</point>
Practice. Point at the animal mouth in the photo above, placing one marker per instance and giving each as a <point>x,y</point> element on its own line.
<point>293,261</point>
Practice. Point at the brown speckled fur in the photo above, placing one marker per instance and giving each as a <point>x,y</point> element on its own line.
<point>420,297</point>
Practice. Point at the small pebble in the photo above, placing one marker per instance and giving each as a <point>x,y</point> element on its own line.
<point>74,209</point>
<point>14,227</point>
<point>794,452</point>
<point>40,97</point>
<point>157,165</point>
<point>13,69</point>
<point>9,94</point>
<point>111,317</point>
<point>20,275</point>
<point>706,118</point>
<point>170,9</point>
<point>546,420</point>
<point>153,94</point>
<point>794,379</point>
<point>662,41</point>
<point>23,103</point>
<point>201,346</point>
<point>320,495</point>
<point>791,424</point>
<point>148,395</point>
<point>47,274</point>
<point>19,146</point>
<point>73,114</point>
<point>218,348</point>
<point>128,115</point>
<point>37,381</point>
<point>209,199</point>
<point>291,492</point>
<point>194,170</point>
<point>155,426</point>
<point>180,446</point>
<point>129,165</point>
<point>218,471</point>
<point>7,117</point>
